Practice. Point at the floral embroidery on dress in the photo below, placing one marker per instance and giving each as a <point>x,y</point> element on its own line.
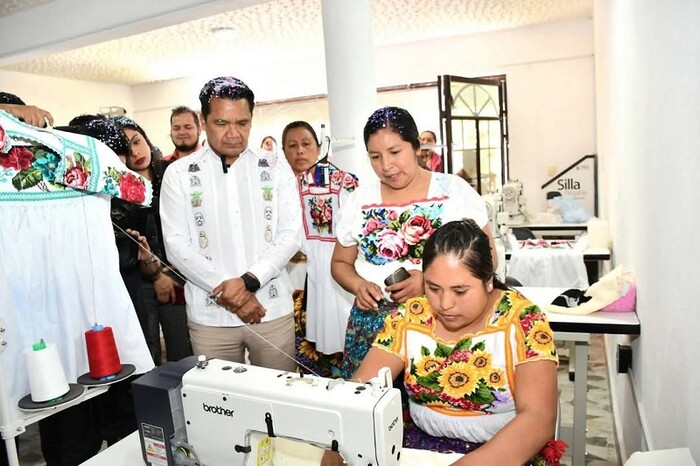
<point>469,375</point>
<point>459,377</point>
<point>392,235</point>
<point>320,197</point>
<point>339,179</point>
<point>539,340</point>
<point>125,185</point>
<point>28,167</point>
<point>78,171</point>
<point>5,143</point>
<point>321,212</point>
<point>35,167</point>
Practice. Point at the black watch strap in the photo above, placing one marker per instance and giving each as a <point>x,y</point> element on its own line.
<point>251,283</point>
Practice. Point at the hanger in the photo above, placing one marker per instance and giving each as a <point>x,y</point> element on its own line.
<point>322,168</point>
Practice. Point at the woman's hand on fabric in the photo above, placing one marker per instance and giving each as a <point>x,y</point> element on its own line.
<point>165,289</point>
<point>412,287</point>
<point>332,458</point>
<point>231,294</point>
<point>252,311</point>
<point>367,295</point>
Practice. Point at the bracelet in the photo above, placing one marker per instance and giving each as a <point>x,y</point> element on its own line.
<point>153,276</point>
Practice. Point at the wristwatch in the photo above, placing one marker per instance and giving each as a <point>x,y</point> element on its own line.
<point>251,283</point>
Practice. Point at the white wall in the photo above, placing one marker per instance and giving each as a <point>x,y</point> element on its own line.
<point>549,71</point>
<point>65,98</point>
<point>647,58</point>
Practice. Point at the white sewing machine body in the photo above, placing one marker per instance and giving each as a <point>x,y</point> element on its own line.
<point>230,409</point>
<point>513,204</point>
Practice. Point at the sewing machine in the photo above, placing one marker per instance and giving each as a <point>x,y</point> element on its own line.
<point>214,412</point>
<point>512,205</point>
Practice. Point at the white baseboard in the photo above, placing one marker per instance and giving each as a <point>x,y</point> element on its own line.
<point>629,420</point>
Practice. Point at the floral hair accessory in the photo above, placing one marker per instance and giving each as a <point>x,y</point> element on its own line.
<point>550,454</point>
<point>5,143</point>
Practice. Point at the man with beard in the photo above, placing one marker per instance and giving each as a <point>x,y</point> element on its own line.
<point>184,132</point>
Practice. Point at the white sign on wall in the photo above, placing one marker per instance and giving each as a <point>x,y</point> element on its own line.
<point>579,182</point>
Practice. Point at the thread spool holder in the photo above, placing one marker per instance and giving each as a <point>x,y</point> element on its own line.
<point>11,429</point>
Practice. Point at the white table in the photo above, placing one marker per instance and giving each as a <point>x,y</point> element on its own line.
<point>558,230</point>
<point>592,257</point>
<point>127,452</point>
<point>578,330</point>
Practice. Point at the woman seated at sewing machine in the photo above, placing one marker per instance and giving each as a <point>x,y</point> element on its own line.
<point>479,359</point>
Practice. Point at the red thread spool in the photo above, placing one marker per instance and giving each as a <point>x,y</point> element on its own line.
<point>103,357</point>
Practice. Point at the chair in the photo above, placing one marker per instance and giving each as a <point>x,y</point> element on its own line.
<point>510,281</point>
<point>522,233</point>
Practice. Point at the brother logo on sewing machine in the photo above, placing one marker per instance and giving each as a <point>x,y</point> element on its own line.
<point>230,416</point>
<point>217,410</point>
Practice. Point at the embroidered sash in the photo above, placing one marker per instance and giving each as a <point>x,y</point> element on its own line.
<point>38,164</point>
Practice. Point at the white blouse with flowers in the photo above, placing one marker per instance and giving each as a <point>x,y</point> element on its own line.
<point>464,389</point>
<point>390,236</point>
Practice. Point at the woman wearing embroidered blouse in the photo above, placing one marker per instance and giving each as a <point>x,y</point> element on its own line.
<point>163,293</point>
<point>479,360</point>
<point>320,317</point>
<point>384,225</point>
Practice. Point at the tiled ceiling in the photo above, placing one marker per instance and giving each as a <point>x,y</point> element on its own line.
<point>281,29</point>
<point>10,7</point>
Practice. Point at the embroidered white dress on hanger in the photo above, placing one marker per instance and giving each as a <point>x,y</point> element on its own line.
<point>327,303</point>
<point>60,269</point>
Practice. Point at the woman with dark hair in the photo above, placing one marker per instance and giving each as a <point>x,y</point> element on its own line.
<point>321,316</point>
<point>384,224</point>
<point>466,348</point>
<point>162,292</point>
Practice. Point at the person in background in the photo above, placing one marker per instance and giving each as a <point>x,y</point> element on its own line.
<point>321,309</point>
<point>29,114</point>
<point>231,223</point>
<point>269,144</point>
<point>433,160</point>
<point>385,223</point>
<point>478,359</point>
<point>163,293</point>
<point>185,129</point>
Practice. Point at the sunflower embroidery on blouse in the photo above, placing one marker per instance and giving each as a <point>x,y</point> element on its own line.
<point>459,377</point>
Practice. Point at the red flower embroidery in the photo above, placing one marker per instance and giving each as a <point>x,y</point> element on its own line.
<point>77,177</point>
<point>132,188</point>
<point>4,141</point>
<point>18,158</point>
<point>551,453</point>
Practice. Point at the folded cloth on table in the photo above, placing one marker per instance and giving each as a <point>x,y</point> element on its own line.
<point>612,287</point>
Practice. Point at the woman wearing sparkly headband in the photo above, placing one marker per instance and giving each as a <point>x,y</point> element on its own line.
<point>384,225</point>
<point>162,292</point>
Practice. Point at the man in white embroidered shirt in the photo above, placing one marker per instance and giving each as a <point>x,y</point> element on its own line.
<point>231,222</point>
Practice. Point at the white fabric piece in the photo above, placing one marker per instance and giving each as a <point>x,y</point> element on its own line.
<point>227,233</point>
<point>297,274</point>
<point>608,289</point>
<point>548,267</point>
<point>61,267</point>
<point>475,429</point>
<point>327,304</point>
